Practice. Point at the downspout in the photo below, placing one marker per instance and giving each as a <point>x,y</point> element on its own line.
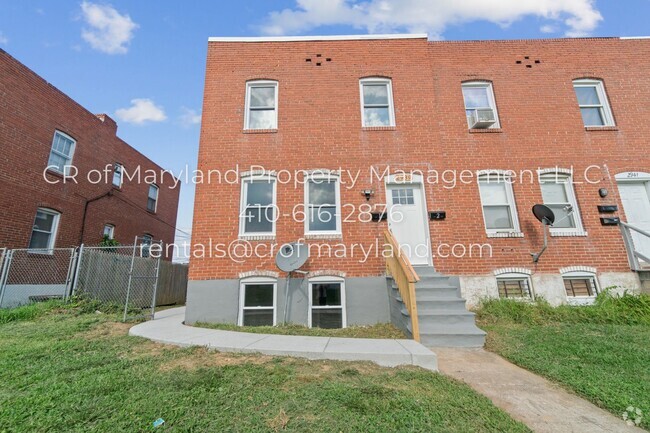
<point>83,221</point>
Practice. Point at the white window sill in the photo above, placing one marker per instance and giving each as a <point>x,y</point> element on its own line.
<point>568,233</point>
<point>580,300</point>
<point>257,237</point>
<point>505,235</point>
<point>325,236</point>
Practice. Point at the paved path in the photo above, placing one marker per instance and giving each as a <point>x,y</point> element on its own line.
<point>533,400</point>
<point>167,327</point>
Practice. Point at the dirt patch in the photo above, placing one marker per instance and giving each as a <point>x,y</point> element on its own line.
<point>108,330</point>
<point>202,357</point>
<point>279,422</point>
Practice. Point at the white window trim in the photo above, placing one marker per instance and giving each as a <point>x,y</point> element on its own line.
<point>259,83</point>
<point>491,100</point>
<point>155,208</point>
<point>242,294</point>
<point>327,279</point>
<point>55,229</point>
<point>605,109</point>
<point>515,231</point>
<point>337,190</point>
<point>517,276</point>
<point>242,205</point>
<point>111,231</point>
<point>560,175</point>
<point>580,300</point>
<point>391,105</point>
<point>69,158</point>
<point>121,175</point>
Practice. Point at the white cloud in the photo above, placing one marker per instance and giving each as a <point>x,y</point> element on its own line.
<point>141,111</point>
<point>107,30</point>
<point>3,39</point>
<point>548,28</point>
<point>579,17</point>
<point>189,117</point>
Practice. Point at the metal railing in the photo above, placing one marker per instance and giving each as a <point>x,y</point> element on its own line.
<point>634,256</point>
<point>400,269</point>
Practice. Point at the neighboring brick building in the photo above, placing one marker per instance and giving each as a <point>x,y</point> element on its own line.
<point>41,127</point>
<point>363,104</point>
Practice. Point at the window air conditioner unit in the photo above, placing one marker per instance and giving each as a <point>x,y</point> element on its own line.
<point>482,118</point>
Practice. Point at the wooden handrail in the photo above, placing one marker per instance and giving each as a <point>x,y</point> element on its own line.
<point>399,267</point>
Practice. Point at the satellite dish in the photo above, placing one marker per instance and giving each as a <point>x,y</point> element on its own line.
<point>544,214</point>
<point>291,256</point>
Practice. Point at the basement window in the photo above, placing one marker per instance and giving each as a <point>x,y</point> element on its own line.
<point>257,302</point>
<point>516,286</point>
<point>327,303</point>
<point>261,105</point>
<point>581,287</point>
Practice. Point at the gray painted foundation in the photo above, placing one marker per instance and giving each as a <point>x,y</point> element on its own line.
<point>217,301</point>
<point>19,294</point>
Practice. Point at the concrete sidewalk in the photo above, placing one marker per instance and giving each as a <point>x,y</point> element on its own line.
<point>167,327</point>
<point>531,399</point>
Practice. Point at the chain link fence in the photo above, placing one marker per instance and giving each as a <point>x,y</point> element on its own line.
<point>35,275</point>
<point>119,278</point>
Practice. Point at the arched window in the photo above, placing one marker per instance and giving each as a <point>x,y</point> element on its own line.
<point>580,283</point>
<point>376,102</point>
<point>46,224</point>
<point>593,103</point>
<point>327,302</point>
<point>258,302</point>
<point>261,105</point>
<point>480,106</point>
<point>514,283</point>
<point>559,195</point>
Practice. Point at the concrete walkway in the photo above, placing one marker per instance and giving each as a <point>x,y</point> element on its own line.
<point>167,327</point>
<point>538,403</point>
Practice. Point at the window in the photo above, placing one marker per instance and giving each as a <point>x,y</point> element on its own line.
<point>514,286</point>
<point>499,211</point>
<point>257,302</point>
<point>152,201</point>
<point>61,154</point>
<point>377,102</point>
<point>558,194</point>
<point>258,214</point>
<point>593,104</point>
<point>580,284</point>
<point>322,206</point>
<point>117,175</point>
<point>261,105</point>
<point>109,230</point>
<point>44,230</point>
<point>145,246</point>
<point>327,303</point>
<point>480,108</point>
<point>403,196</point>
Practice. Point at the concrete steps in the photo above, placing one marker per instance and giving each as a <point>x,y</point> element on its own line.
<point>443,317</point>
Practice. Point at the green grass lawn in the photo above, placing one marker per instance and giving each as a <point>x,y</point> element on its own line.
<point>600,352</point>
<point>381,330</point>
<point>69,369</point>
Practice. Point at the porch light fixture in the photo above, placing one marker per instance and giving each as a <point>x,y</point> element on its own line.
<point>367,193</point>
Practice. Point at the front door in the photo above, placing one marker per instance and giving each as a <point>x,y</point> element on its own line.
<point>406,219</point>
<point>636,203</point>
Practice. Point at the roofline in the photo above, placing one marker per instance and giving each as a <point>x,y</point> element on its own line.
<point>318,38</point>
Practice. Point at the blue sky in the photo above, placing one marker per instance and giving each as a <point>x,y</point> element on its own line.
<point>143,62</point>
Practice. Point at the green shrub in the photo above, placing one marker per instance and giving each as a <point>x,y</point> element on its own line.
<point>625,309</point>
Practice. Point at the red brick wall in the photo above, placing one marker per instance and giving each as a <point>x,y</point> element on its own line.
<point>319,126</point>
<point>30,112</point>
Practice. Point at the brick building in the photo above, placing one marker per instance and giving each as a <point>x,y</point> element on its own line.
<point>454,142</point>
<point>43,131</point>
